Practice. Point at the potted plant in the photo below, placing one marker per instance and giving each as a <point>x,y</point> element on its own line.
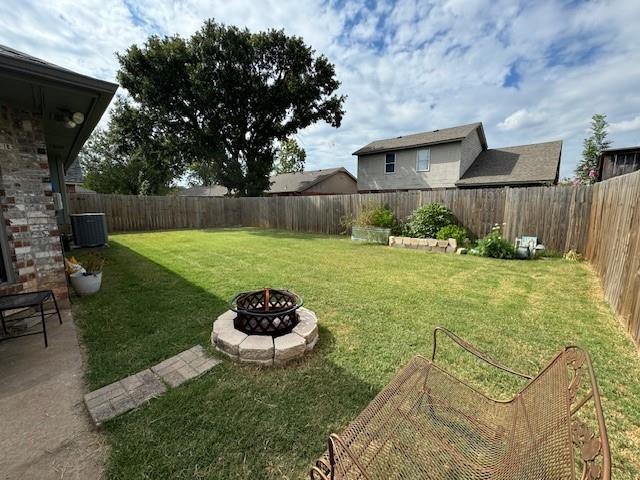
<point>87,280</point>
<point>373,224</point>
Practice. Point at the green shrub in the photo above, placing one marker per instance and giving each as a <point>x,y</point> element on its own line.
<point>400,229</point>
<point>453,231</point>
<point>426,221</point>
<point>494,245</point>
<point>373,215</point>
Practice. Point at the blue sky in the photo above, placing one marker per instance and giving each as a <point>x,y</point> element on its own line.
<point>530,71</point>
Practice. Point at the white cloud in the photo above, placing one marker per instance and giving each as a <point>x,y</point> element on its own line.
<point>407,66</point>
<point>626,125</point>
<point>521,119</point>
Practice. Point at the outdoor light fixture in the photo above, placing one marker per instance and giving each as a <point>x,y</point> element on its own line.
<point>69,119</point>
<point>78,118</point>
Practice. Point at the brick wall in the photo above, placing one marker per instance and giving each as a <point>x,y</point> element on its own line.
<point>27,206</point>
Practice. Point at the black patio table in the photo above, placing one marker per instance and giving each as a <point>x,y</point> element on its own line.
<point>35,300</point>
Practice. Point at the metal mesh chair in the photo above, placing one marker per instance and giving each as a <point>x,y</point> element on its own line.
<point>426,424</point>
<point>28,301</point>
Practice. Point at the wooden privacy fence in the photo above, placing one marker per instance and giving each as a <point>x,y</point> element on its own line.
<point>552,213</point>
<point>613,246</point>
<point>602,221</point>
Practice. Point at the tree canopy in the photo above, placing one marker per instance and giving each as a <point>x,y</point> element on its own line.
<point>291,157</point>
<point>131,156</point>
<point>217,104</point>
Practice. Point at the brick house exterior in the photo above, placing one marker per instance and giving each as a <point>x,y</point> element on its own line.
<point>38,143</point>
<point>32,237</point>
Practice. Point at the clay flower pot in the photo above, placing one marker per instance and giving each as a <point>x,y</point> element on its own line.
<point>85,283</point>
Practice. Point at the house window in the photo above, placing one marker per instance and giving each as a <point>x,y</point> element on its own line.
<point>423,162</point>
<point>625,159</point>
<point>390,163</point>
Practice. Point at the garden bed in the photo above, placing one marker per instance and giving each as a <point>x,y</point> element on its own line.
<point>427,244</point>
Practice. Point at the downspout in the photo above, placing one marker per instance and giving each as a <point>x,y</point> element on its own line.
<point>56,169</point>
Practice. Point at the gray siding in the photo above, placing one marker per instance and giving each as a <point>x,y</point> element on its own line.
<point>469,150</point>
<point>443,173</point>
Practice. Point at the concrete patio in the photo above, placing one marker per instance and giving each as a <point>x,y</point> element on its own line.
<point>46,432</point>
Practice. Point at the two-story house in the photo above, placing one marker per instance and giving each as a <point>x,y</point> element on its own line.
<point>456,157</point>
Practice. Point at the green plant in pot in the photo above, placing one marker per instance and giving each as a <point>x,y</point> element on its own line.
<point>88,280</point>
<point>373,224</point>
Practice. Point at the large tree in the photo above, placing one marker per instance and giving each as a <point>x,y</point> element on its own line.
<point>587,169</point>
<point>226,96</point>
<point>132,156</point>
<point>290,157</point>
<point>202,172</point>
<point>105,170</point>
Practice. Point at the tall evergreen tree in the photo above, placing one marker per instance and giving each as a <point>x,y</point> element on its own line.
<point>587,169</point>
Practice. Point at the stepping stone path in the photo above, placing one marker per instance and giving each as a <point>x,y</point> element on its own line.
<point>117,398</point>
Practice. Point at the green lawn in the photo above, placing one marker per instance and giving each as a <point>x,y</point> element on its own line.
<point>376,306</point>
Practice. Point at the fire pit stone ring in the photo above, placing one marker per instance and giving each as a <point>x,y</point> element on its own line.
<point>277,342</point>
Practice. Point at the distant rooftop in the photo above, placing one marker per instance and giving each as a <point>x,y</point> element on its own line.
<point>444,135</point>
<point>621,149</point>
<point>301,181</point>
<point>282,183</point>
<point>522,164</point>
<point>74,173</point>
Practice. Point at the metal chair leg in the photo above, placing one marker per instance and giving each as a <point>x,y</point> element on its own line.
<point>4,327</point>
<point>57,309</point>
<point>44,326</point>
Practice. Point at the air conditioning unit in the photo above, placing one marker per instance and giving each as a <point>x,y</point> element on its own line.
<point>89,229</point>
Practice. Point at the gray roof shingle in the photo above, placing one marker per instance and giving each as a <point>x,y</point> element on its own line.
<point>444,135</point>
<point>621,149</point>
<point>10,52</point>
<point>282,183</point>
<point>13,59</point>
<point>301,181</point>
<point>522,164</point>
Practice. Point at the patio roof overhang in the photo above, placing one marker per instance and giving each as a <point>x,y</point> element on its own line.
<point>32,84</point>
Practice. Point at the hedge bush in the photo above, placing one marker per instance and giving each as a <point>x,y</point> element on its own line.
<point>373,215</point>
<point>426,221</point>
<point>453,231</point>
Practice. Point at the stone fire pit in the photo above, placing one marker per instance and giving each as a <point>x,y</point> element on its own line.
<point>246,341</point>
